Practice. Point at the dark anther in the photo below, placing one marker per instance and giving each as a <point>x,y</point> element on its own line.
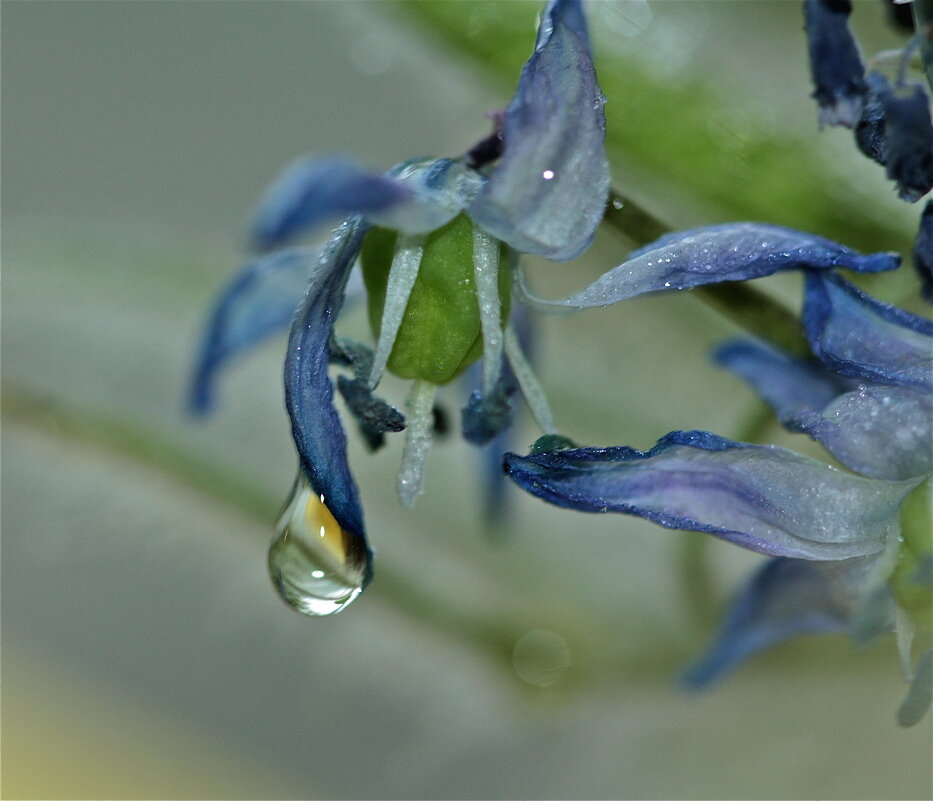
<point>367,408</point>
<point>485,151</point>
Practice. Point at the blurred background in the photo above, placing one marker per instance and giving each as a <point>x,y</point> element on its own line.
<point>145,653</point>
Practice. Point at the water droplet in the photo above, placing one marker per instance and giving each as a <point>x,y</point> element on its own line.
<point>317,567</point>
<point>541,657</point>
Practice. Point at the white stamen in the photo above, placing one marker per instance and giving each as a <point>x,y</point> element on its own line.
<point>402,275</point>
<point>530,386</point>
<point>528,298</point>
<point>420,407</point>
<point>486,274</point>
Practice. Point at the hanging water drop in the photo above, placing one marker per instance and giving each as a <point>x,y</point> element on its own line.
<point>317,567</point>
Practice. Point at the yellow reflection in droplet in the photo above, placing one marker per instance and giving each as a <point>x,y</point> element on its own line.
<point>317,567</point>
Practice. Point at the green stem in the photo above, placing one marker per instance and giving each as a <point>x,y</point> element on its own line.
<point>739,302</point>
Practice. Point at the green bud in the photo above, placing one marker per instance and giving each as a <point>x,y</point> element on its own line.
<point>440,334</point>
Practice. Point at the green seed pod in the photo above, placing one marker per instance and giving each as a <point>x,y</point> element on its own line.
<point>440,333</point>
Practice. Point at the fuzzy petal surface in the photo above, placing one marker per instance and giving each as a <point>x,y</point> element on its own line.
<point>311,191</point>
<point>856,335</point>
<point>764,498</point>
<point>878,431</point>
<point>309,393</point>
<point>709,255</point>
<point>785,598</point>
<point>548,192</point>
<point>260,301</point>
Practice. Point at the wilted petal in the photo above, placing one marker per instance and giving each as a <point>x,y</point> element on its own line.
<point>908,141</point>
<point>835,64</point>
<point>314,191</point>
<point>859,336</point>
<point>878,431</point>
<point>309,393</point>
<point>869,132</point>
<point>785,598</point>
<point>765,498</point>
<point>923,252</point>
<point>260,301</point>
<point>709,255</point>
<point>788,385</point>
<point>548,192</point>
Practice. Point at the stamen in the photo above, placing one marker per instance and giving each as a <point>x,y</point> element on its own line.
<point>530,386</point>
<point>533,301</point>
<point>402,275</point>
<point>420,408</point>
<point>486,272</point>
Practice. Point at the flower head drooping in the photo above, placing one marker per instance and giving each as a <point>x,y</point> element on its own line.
<point>436,239</point>
<point>835,64</point>
<point>833,535</point>
<point>891,122</point>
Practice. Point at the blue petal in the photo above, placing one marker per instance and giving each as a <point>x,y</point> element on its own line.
<point>859,336</point>
<point>908,142</point>
<point>869,133</point>
<point>790,386</point>
<point>319,436</point>
<point>709,255</point>
<point>835,64</point>
<point>785,598</point>
<point>310,192</point>
<point>923,252</point>
<point>438,190</point>
<point>548,193</point>
<point>765,498</point>
<point>570,13</point>
<point>260,301</point>
<point>878,431</point>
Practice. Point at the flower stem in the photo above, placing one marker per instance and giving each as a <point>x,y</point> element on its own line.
<point>739,302</point>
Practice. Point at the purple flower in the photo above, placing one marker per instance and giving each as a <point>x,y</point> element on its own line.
<point>866,395</point>
<point>436,239</point>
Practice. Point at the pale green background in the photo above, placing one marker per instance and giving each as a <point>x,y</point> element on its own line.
<point>144,652</point>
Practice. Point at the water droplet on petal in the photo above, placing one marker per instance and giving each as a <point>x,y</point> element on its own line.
<point>317,567</point>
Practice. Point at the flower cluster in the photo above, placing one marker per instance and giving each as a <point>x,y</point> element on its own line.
<point>439,243</point>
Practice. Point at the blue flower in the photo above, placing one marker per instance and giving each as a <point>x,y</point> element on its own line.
<point>892,124</point>
<point>895,129</point>
<point>436,239</point>
<point>866,396</point>
<point>835,63</point>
